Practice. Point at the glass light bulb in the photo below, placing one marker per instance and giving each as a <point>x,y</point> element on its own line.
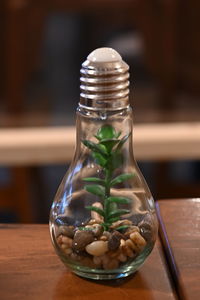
<point>102,222</point>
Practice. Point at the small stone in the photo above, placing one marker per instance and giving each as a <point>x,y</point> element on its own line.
<point>107,234</point>
<point>126,248</point>
<point>131,245</point>
<point>82,239</point>
<point>111,264</point>
<point>97,261</point>
<point>88,262</point>
<point>128,251</point>
<point>67,241</point>
<point>97,248</point>
<point>122,243</point>
<point>137,218</point>
<point>66,230</point>
<point>146,234</point>
<point>89,227</point>
<point>64,247</point>
<point>122,257</point>
<point>104,259</point>
<point>120,223</point>
<point>146,227</point>
<point>115,253</point>
<point>59,239</point>
<point>68,251</point>
<point>103,238</point>
<point>93,221</point>
<point>97,230</point>
<point>94,214</point>
<point>131,229</point>
<point>114,240</point>
<point>138,240</point>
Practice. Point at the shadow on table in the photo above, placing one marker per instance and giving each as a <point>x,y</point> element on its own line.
<point>71,286</point>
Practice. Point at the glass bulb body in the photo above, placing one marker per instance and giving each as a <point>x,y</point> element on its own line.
<point>115,243</point>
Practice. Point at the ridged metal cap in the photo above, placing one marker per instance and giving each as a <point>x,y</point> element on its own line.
<point>104,81</point>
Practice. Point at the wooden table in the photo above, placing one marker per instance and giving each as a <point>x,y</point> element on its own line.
<point>180,233</point>
<point>29,269</point>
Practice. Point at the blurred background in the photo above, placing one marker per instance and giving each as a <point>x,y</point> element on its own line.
<point>43,44</point>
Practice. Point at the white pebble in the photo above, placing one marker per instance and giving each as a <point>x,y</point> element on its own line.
<point>97,248</point>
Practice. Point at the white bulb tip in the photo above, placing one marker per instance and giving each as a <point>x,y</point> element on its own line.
<point>101,55</point>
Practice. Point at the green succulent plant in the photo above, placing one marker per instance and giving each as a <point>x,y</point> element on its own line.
<point>107,153</point>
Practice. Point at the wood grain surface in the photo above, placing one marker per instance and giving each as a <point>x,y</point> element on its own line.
<point>180,232</point>
<point>29,269</point>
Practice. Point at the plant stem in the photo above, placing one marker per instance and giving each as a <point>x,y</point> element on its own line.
<point>108,177</point>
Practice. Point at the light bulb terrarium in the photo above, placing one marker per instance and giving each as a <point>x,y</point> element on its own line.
<point>102,222</point>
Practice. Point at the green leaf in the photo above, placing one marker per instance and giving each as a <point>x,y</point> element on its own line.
<point>121,178</point>
<point>85,228</point>
<point>95,189</point>
<point>106,226</point>
<point>115,161</point>
<point>118,213</point>
<point>118,134</point>
<point>94,179</point>
<point>95,147</point>
<point>109,143</point>
<point>122,141</point>
<point>96,209</point>
<point>99,159</point>
<point>121,200</point>
<point>112,220</point>
<point>122,227</point>
<point>112,206</point>
<point>106,132</point>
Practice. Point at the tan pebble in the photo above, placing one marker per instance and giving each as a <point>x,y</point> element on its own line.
<point>59,239</point>
<point>121,223</point>
<point>105,259</point>
<point>67,241</point>
<point>94,214</point>
<point>68,251</point>
<point>131,245</point>
<point>115,253</point>
<point>93,221</point>
<point>64,247</point>
<point>128,251</point>
<point>131,229</point>
<point>89,227</point>
<point>103,238</point>
<point>97,260</point>
<point>107,234</point>
<point>88,262</point>
<point>122,243</point>
<point>111,264</point>
<point>122,257</point>
<point>97,248</point>
<point>138,240</point>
